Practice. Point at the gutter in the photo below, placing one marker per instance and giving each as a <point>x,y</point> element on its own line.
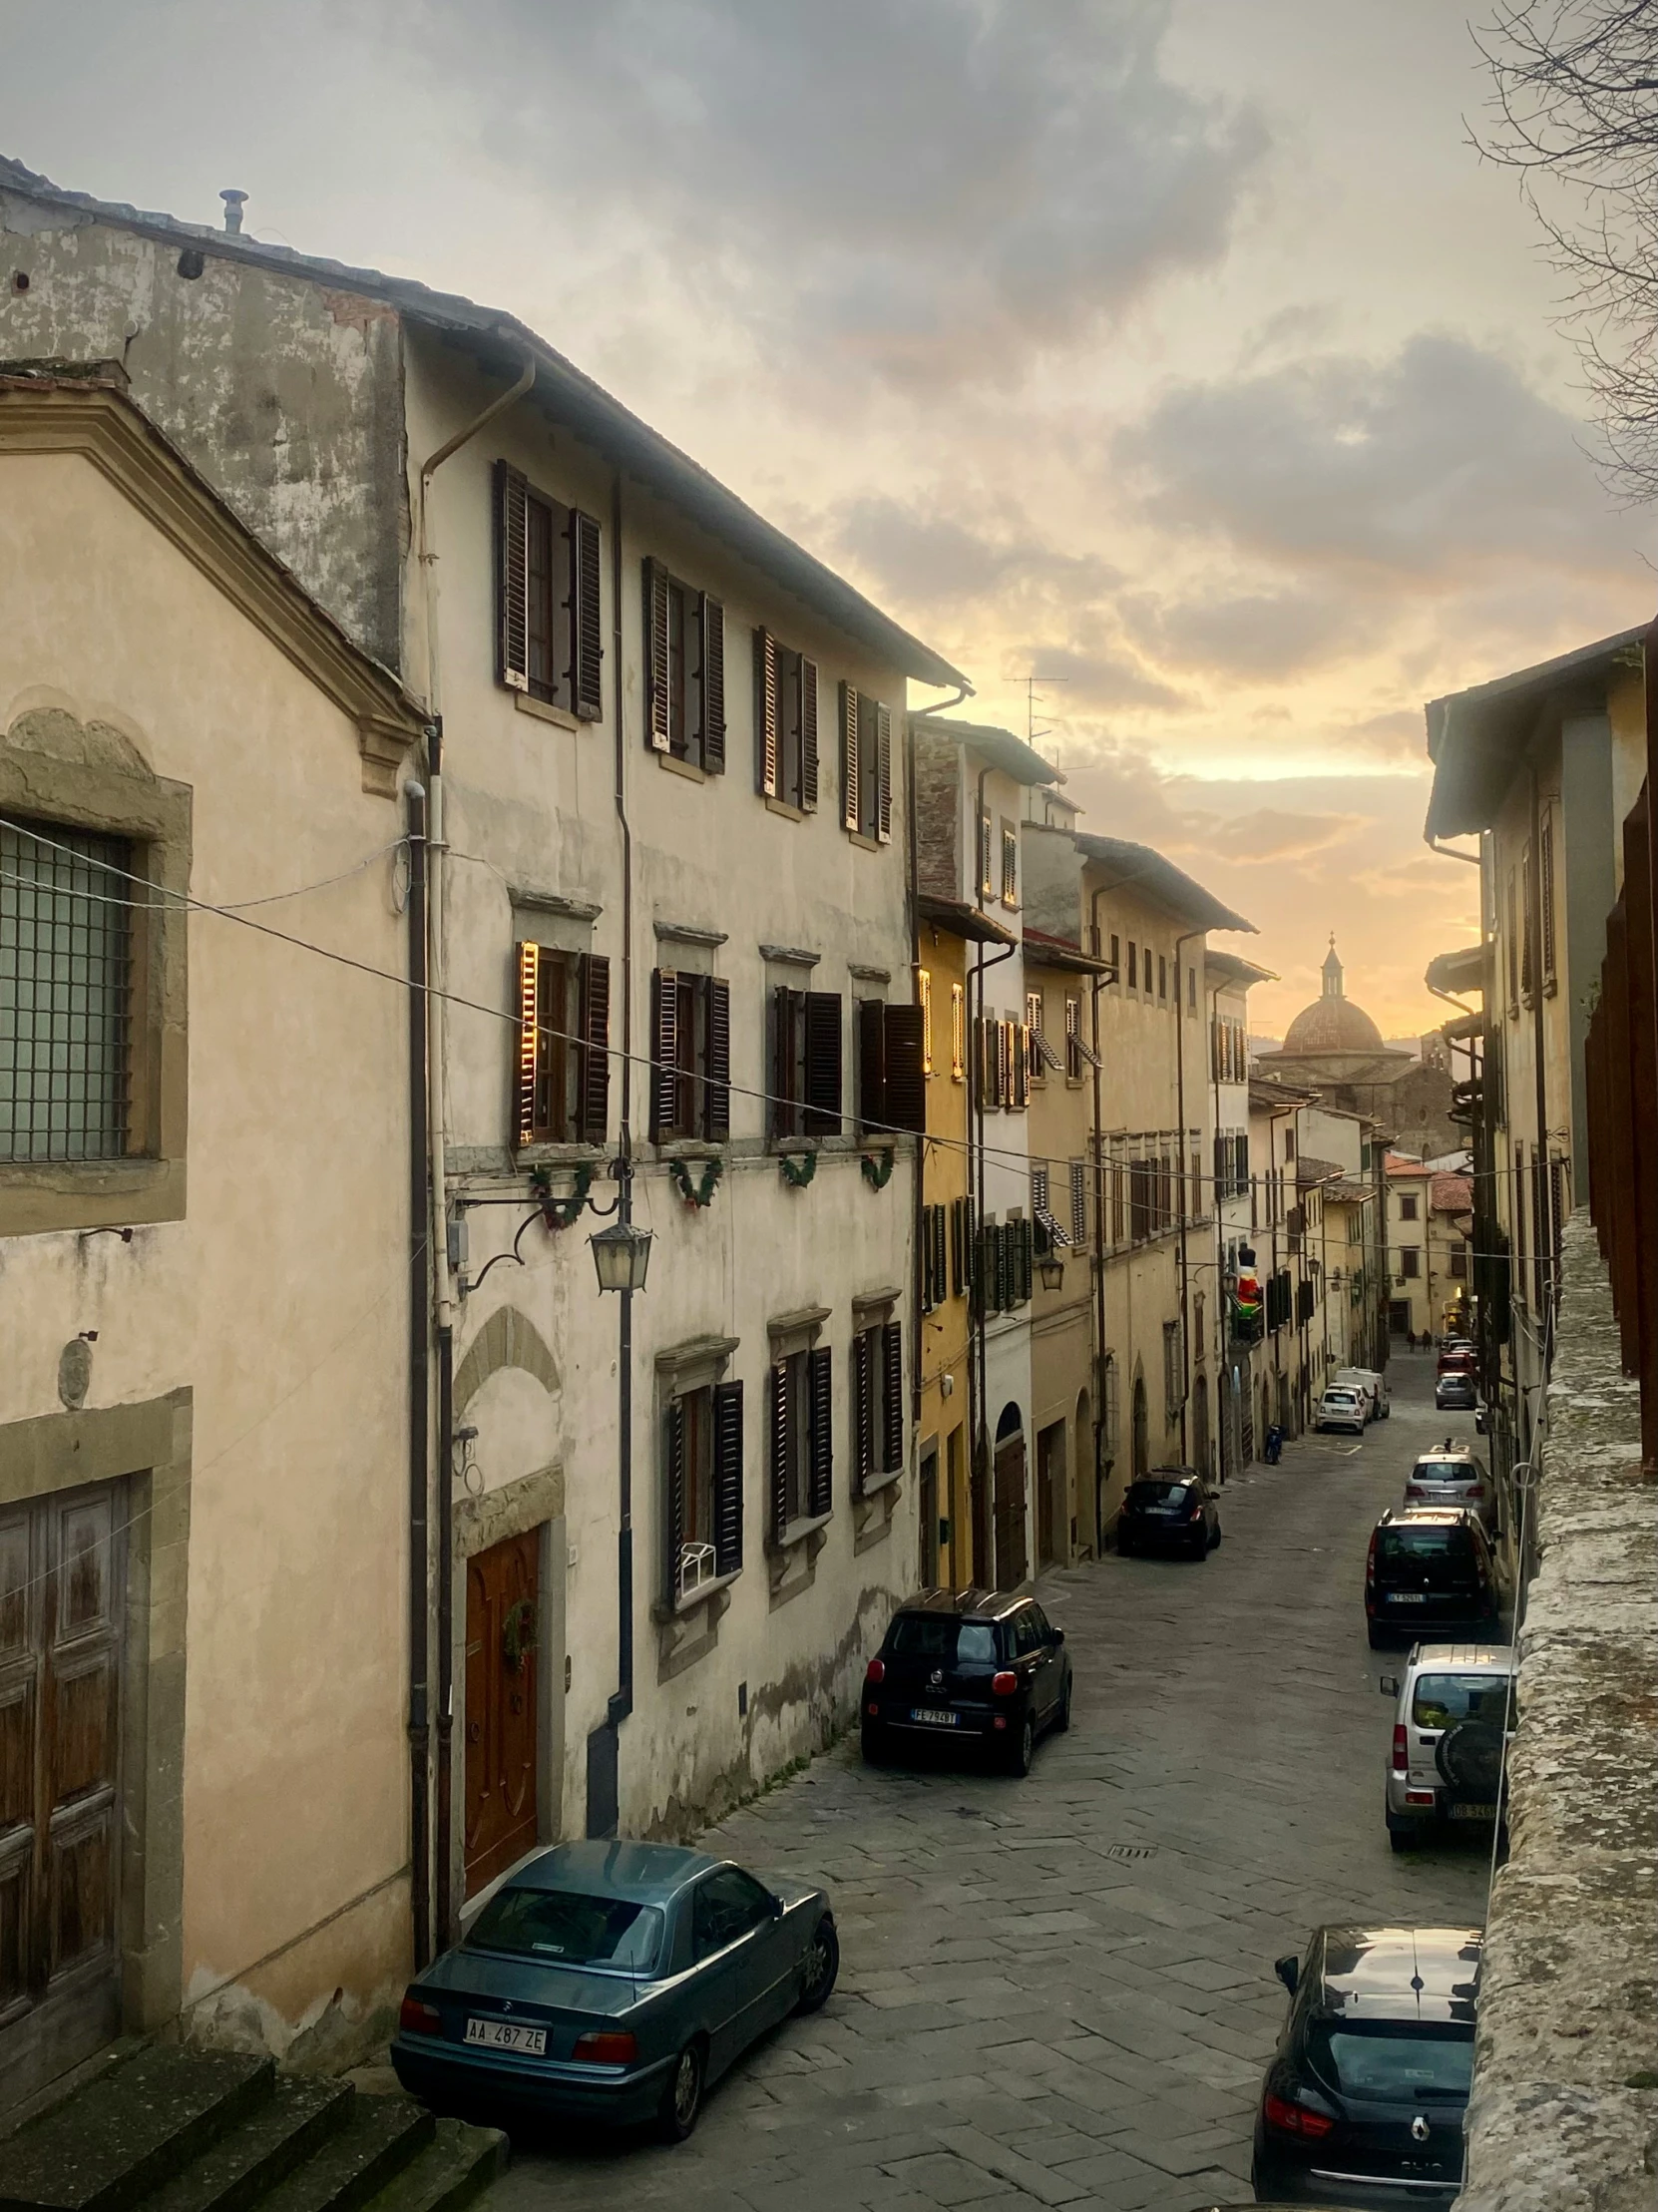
<point>419,1726</point>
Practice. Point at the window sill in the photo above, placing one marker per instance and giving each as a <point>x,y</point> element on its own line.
<point>689,1148</point>
<point>789,812</point>
<point>677,1608</point>
<point>799,1531</point>
<point>38,1197</point>
<point>874,1484</point>
<point>687,769</point>
<point>865,842</point>
<point>548,1154</point>
<point>545,711</point>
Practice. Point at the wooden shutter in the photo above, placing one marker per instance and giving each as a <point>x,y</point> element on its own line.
<point>512,578</point>
<point>673,1482</point>
<point>716,1093</point>
<point>883,775</point>
<point>529,1039</point>
<point>820,1463</point>
<point>593,1095</point>
<point>586,626</point>
<point>1546,889</point>
<point>823,1063</point>
<point>1003,1063</point>
<point>712,625</point>
<point>1026,1256</point>
<point>808,734</point>
<point>658,722</point>
<point>781,1425</point>
<point>863,1409</point>
<point>1078,1204</point>
<point>958,1246</point>
<point>768,713</point>
<point>727,1397</point>
<point>906,1083</point>
<point>872,1064</point>
<point>892,1396</point>
<point>665,1053</point>
<point>785,1107</point>
<point>849,755</point>
<point>941,1261</point>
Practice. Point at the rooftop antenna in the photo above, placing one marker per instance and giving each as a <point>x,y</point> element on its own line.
<point>1031,694</point>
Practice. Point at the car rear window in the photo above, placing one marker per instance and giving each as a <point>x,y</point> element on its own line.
<point>1446,1471</point>
<point>1342,1396</point>
<point>567,1928</point>
<point>1426,1543</point>
<point>1441,1700</point>
<point>1141,1495</point>
<point>946,1641</point>
<point>1395,2063</point>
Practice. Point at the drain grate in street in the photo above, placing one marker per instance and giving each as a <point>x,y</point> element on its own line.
<point>1128,1851</point>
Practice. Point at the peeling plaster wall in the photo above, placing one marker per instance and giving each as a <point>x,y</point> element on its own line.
<point>286,395</point>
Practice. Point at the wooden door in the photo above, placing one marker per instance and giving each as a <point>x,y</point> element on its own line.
<point>503,1624</point>
<point>929,1515</point>
<point>62,1608</point>
<point>1009,1514</point>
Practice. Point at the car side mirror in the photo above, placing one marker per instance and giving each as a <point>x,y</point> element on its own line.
<point>1056,1636</point>
<point>778,1908</point>
<point>1288,1971</point>
<point>1388,1685</point>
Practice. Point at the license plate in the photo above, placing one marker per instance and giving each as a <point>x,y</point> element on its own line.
<point>1471,1812</point>
<point>1407,1597</point>
<point>507,2035</point>
<point>931,1717</point>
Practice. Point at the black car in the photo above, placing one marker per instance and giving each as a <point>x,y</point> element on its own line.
<point>1431,1573</point>
<point>1363,2101</point>
<point>1170,1509</point>
<point>979,1666</point>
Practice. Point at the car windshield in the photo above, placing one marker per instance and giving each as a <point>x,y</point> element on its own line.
<point>1428,1541</point>
<point>946,1641</point>
<point>1142,1494</point>
<point>1395,2063</point>
<point>1446,1471</point>
<point>1441,1700</point>
<point>567,1928</point>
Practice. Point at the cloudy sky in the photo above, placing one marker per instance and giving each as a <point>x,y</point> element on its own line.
<point>1181,352</point>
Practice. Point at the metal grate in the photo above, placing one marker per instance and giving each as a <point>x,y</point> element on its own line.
<point>65,989</point>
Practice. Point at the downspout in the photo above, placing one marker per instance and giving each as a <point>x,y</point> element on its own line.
<point>919,1195</point>
<point>1221,1302</point>
<point>420,1734</point>
<point>1542,1203</point>
<point>1185,1205</point>
<point>1100,1348</point>
<point>985,1454</point>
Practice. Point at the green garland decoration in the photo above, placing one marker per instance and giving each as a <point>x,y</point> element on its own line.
<point>877,1167</point>
<point>561,1213</point>
<point>798,1168</point>
<point>519,1633</point>
<point>701,1192</point>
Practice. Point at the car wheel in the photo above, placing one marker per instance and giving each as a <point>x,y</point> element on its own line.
<point>677,2115</point>
<point>1214,1541</point>
<point>823,1964</point>
<point>1024,1747</point>
<point>1379,1638</point>
<point>1399,1841</point>
<point>871,1745</point>
<point>1062,1719</point>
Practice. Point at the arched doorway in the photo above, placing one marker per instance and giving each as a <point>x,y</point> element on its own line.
<point>1008,1504</point>
<point>1140,1459</point>
<point>1200,1429</point>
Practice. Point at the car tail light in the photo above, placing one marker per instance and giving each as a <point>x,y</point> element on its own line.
<point>1419,1797</point>
<point>605,2047</point>
<point>1003,1684</point>
<point>1476,1490</point>
<point>1402,1749</point>
<point>1295,2119</point>
<point>417,2018</point>
<point>875,1673</point>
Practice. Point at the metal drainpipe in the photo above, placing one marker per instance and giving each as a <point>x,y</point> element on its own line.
<point>919,1195</point>
<point>1185,1257</point>
<point>420,1743</point>
<point>1220,1226</point>
<point>1542,1204</point>
<point>986,1455</point>
<point>1100,1236</point>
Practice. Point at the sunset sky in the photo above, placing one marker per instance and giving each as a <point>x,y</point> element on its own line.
<point>1181,349</point>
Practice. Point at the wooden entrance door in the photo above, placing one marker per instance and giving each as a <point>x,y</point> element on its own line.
<point>928,1510</point>
<point>503,1622</point>
<point>62,1608</point>
<point>1009,1514</point>
<point>1051,1482</point>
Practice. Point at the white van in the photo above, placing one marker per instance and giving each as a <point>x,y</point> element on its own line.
<point>1373,1387</point>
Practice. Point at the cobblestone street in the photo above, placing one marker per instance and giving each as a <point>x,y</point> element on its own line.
<point>1060,1992</point>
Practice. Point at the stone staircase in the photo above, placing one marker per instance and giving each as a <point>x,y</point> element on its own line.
<point>165,2129</point>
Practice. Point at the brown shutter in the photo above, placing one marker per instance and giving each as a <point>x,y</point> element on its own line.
<point>587,623</point>
<point>673,1482</point>
<point>727,1399</point>
<point>665,1053</point>
<point>529,1000</point>
<point>849,755</point>
<point>512,578</point>
<point>782,1428</point>
<point>939,1260</point>
<point>808,734</point>
<point>821,1465</point>
<point>863,1410</point>
<point>958,1246</point>
<point>883,776</point>
<point>872,1064</point>
<point>656,727</point>
<point>892,1397</point>
<point>595,1097</point>
<point>906,1100</point>
<point>784,1115</point>
<point>823,1063</point>
<point>768,713</point>
<point>716,1096</point>
<point>712,732</point>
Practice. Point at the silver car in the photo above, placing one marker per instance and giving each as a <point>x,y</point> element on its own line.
<point>1452,1476</point>
<point>1454,1718</point>
<point>1342,1407</point>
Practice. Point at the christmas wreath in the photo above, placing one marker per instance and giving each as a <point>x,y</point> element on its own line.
<point>702,1192</point>
<point>560,1213</point>
<point>877,1167</point>
<point>798,1168</point>
<point>519,1633</point>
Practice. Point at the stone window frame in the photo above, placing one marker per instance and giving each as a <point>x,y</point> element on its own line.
<point>54,768</point>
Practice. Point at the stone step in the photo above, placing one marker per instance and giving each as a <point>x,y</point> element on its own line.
<point>118,2138</point>
<point>297,2118</point>
<point>381,2137</point>
<point>456,2166</point>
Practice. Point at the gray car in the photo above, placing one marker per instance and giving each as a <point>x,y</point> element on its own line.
<point>1452,1476</point>
<point>1453,1719</point>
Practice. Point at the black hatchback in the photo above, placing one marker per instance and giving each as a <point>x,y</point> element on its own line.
<point>977,1666</point>
<point>1363,2101</point>
<point>1431,1573</point>
<point>1170,1509</point>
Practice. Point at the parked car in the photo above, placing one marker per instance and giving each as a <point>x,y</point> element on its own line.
<point>613,1982</point>
<point>1452,1476</point>
<point>1170,1509</point>
<point>1430,1570</point>
<point>1455,1391</point>
<point>984,1668</point>
<point>1342,1407</point>
<point>1454,1717</point>
<point>1363,2097</point>
<point>1375,1387</point>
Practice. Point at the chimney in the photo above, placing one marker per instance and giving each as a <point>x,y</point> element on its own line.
<point>235,201</point>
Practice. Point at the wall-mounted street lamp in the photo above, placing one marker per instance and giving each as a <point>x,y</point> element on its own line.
<point>1051,1268</point>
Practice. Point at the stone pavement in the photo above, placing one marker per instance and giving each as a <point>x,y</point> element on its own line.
<point>1060,1991</point>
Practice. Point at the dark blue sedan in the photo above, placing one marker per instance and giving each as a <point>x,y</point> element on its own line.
<point>613,1982</point>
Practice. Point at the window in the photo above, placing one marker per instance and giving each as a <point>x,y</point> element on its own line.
<point>1141,1200</point>
<point>1191,990</point>
<point>960,1244</point>
<point>550,637</point>
<point>1406,1205</point>
<point>985,829</point>
<point>1009,865</point>
<point>802,1455</point>
<point>1460,1262</point>
<point>1410,1262</point>
<point>685,662</point>
<point>892,1091</point>
<point>1545,892</point>
<point>1076,1050</point>
<point>66,970</point>
<point>728,1904</point>
<point>1134,964</point>
<point>785,723</point>
<point>1526,921</point>
<point>1175,1368</point>
<point>1117,958</point>
<point>958,1033</point>
<point>877,1402</point>
<point>691,1053</point>
<point>702,1475</point>
<point>1050,1236</point>
<point>1079,1203</point>
<point>1119,1194</point>
<point>924,998</point>
<point>1043,1055</point>
<point>1004,1064</point>
<point>1512,935</point>
<point>571,1929</point>
<point>805,1062</point>
<point>1289,1145</point>
<point>563,1035</point>
<point>1162,975</point>
<point>1004,1255</point>
<point>866,765</point>
<point>935,1262</point>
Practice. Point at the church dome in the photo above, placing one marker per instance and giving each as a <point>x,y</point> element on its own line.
<point>1332,1024</point>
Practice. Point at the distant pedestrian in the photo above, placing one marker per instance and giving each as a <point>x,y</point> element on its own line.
<point>1275,1445</point>
<point>1410,1340</point>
